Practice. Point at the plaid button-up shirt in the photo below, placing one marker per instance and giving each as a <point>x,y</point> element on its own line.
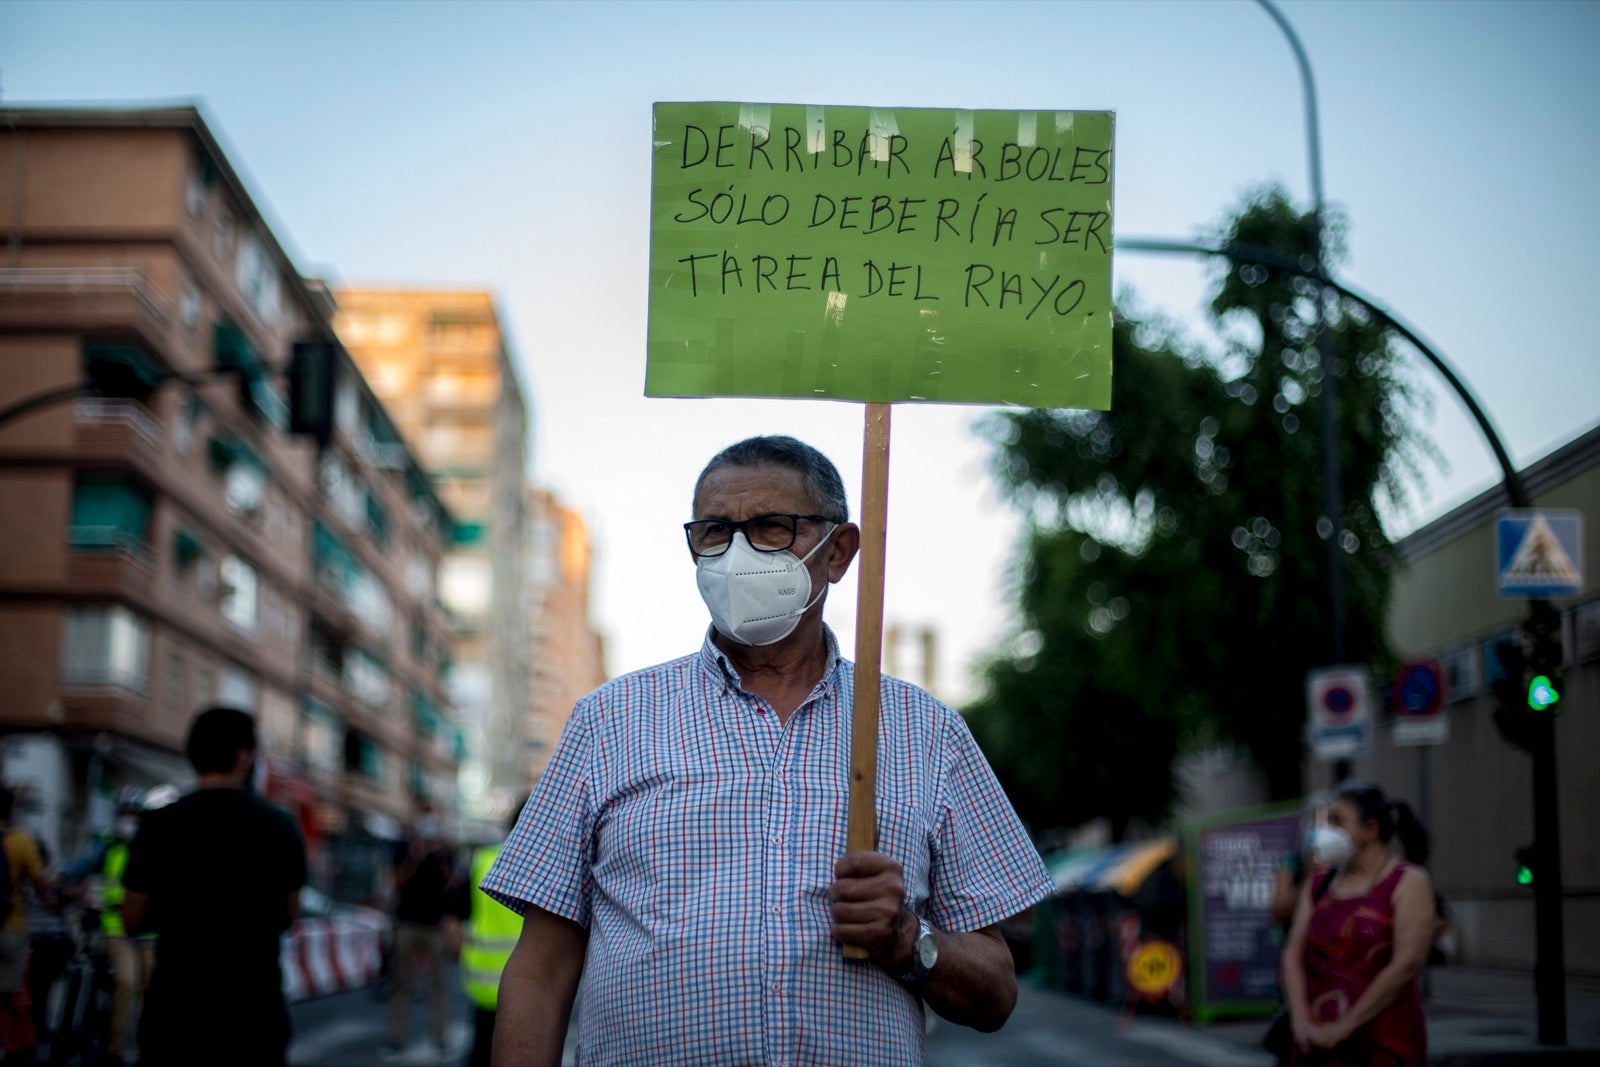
<point>694,836</point>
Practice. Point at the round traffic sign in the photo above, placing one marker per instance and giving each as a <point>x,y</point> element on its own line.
<point>1154,968</point>
<point>1419,688</point>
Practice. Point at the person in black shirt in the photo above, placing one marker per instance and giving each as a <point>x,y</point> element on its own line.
<point>423,870</point>
<point>217,876</point>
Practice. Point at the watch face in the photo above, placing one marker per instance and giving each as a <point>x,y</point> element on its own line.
<point>927,949</point>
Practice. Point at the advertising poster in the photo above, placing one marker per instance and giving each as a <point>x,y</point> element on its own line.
<point>1234,945</point>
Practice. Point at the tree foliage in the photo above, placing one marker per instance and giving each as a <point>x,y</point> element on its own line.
<point>1172,588</point>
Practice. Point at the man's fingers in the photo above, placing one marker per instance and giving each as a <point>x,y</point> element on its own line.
<point>860,864</point>
<point>883,913</point>
<point>859,889</point>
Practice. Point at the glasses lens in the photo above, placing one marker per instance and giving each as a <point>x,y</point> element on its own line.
<point>771,533</point>
<point>708,537</point>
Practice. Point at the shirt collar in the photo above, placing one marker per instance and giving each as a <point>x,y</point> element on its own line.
<point>720,668</point>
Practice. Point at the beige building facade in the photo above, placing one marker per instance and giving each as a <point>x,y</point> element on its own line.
<point>439,361</point>
<point>1474,791</point>
<point>167,545</point>
<point>567,654</point>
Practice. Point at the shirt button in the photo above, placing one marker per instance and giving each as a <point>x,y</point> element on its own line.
<point>777,839</point>
<point>761,711</point>
<point>777,910</point>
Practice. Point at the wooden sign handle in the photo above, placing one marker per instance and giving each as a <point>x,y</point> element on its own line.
<point>863,826</point>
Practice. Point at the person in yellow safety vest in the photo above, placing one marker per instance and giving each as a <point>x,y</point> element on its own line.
<point>131,958</point>
<point>490,934</point>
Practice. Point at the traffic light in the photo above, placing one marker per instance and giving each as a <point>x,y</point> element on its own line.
<point>1512,716</point>
<point>1527,864</point>
<point>312,367</point>
<point>1543,630</point>
<point>1542,693</point>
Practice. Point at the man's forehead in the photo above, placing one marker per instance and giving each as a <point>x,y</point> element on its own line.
<point>768,487</point>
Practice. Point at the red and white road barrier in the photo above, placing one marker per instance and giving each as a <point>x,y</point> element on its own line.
<point>322,956</point>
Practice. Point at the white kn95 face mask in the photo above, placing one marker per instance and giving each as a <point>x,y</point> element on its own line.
<point>756,598</point>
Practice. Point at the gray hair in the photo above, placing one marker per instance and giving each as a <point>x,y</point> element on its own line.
<point>823,483</point>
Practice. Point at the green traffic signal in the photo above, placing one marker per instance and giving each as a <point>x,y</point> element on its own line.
<point>1526,858</point>
<point>1542,693</point>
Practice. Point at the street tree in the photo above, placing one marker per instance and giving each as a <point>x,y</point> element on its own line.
<point>1171,586</point>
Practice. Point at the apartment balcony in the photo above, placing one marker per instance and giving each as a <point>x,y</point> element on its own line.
<point>107,562</point>
<point>118,430</point>
<point>82,300</point>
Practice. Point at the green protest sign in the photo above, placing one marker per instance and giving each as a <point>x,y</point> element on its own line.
<point>881,255</point>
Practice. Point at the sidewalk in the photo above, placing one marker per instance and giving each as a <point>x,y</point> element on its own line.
<point>1478,1018</point>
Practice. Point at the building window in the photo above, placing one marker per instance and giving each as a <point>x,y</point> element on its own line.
<point>205,685</point>
<point>465,585</point>
<point>1493,668</point>
<point>323,736</point>
<point>377,520</point>
<point>367,678</point>
<point>244,486</point>
<point>236,687</point>
<point>106,645</point>
<point>1460,676</point>
<point>257,280</point>
<point>1586,631</point>
<point>237,601</point>
<point>187,425</point>
<point>277,721</point>
<point>109,513</point>
<point>194,194</point>
<point>363,756</point>
<point>189,307</point>
<point>177,692</point>
<point>222,240</point>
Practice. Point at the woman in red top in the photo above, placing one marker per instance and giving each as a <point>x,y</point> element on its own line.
<point>1360,937</point>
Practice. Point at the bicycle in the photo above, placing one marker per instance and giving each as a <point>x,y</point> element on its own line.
<point>80,1020</point>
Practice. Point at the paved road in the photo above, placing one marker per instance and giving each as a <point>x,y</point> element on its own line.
<point>1047,1030</point>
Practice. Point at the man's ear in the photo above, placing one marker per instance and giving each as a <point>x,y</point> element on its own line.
<point>846,543</point>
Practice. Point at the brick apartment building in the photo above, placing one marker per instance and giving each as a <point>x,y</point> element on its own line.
<point>440,362</point>
<point>568,655</point>
<point>170,545</point>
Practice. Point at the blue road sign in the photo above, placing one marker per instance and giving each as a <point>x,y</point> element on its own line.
<point>1539,553</point>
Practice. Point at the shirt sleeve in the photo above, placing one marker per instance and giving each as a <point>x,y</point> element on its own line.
<point>984,868</point>
<point>547,860</point>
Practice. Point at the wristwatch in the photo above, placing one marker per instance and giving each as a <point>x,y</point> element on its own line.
<point>924,954</point>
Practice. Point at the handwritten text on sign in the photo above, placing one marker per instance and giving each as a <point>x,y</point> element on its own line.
<point>881,255</point>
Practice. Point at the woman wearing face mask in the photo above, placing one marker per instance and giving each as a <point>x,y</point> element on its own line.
<point>1360,937</point>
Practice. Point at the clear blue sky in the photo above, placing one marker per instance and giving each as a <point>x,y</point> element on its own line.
<point>506,145</point>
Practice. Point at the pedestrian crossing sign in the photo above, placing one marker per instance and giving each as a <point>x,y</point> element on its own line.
<point>1539,553</point>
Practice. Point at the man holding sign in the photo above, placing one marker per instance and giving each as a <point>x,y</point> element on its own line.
<point>684,856</point>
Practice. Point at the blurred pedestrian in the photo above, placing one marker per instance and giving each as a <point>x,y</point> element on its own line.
<point>423,870</point>
<point>1309,856</point>
<point>217,875</point>
<point>17,1035</point>
<point>50,943</point>
<point>491,931</point>
<point>1360,937</point>
<point>131,957</point>
<point>685,854</point>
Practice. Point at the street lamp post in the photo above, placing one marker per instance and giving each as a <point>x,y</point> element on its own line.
<point>1330,525</point>
<point>1549,968</point>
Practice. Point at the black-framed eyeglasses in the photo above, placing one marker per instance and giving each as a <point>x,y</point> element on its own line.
<point>766,533</point>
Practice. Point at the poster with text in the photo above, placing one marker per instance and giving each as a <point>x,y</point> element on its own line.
<point>1234,942</point>
<point>881,255</point>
